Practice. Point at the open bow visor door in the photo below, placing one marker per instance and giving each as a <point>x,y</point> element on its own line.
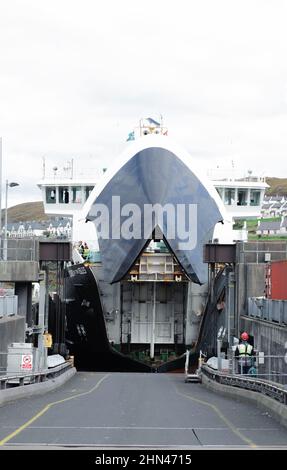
<point>156,186</point>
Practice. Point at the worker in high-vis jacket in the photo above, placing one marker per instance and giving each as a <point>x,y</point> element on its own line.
<point>244,352</point>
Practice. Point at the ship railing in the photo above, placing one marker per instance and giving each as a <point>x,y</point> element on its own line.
<point>228,174</point>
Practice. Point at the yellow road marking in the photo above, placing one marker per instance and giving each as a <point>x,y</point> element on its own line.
<point>46,408</point>
<point>221,416</point>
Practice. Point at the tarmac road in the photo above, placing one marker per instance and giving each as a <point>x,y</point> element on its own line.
<point>127,410</point>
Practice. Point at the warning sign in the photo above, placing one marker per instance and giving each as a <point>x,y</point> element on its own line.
<point>27,362</point>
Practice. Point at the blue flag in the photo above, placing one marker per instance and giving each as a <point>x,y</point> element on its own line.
<point>152,122</point>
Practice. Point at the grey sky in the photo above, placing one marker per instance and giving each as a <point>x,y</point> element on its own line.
<point>75,78</point>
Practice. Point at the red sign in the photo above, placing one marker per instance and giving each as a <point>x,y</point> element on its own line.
<point>27,361</point>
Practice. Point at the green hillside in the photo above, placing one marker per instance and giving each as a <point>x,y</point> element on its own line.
<point>26,211</point>
<point>278,186</point>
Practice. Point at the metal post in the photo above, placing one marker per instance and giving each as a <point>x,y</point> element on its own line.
<point>230,313</point>
<point>11,185</point>
<point>187,361</point>
<point>219,363</point>
<point>6,219</point>
<point>153,322</point>
<point>212,275</point>
<point>233,363</point>
<point>42,314</point>
<point>0,190</point>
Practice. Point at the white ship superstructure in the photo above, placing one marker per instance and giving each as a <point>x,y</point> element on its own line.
<point>65,193</point>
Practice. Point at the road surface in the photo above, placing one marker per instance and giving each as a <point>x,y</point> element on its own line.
<point>141,410</point>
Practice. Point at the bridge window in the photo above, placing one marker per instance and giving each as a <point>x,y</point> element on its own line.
<point>77,194</point>
<point>88,190</point>
<point>242,197</point>
<point>51,195</point>
<point>220,192</point>
<point>255,197</point>
<point>64,196</point>
<point>229,197</point>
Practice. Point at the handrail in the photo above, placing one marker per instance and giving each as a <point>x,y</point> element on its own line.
<point>268,310</point>
<point>37,377</point>
<point>270,389</point>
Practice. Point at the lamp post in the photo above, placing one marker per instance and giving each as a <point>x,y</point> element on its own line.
<point>0,191</point>
<point>8,185</point>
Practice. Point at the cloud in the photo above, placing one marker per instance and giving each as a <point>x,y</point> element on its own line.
<point>76,78</point>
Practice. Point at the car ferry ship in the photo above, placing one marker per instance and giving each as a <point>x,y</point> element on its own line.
<point>138,301</point>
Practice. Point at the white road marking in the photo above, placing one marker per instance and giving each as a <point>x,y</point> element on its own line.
<point>146,428</point>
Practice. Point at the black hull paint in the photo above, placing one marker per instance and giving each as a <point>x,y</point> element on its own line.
<point>86,334</point>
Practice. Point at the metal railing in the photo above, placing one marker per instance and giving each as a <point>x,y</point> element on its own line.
<point>270,368</point>
<point>272,390</point>
<point>255,251</point>
<point>268,310</point>
<point>32,377</point>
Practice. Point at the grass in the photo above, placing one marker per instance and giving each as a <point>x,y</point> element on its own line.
<point>278,186</point>
<point>252,227</point>
<point>27,211</point>
<point>252,236</point>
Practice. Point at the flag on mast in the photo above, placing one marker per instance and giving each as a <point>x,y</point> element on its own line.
<point>152,122</point>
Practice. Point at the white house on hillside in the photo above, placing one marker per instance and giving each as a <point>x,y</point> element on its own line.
<point>272,227</point>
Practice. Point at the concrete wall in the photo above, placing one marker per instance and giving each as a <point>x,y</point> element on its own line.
<point>12,330</point>
<point>24,292</point>
<point>19,271</point>
<point>278,410</point>
<point>272,340</point>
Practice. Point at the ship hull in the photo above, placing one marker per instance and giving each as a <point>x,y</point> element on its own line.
<point>86,334</point>
<point>138,301</point>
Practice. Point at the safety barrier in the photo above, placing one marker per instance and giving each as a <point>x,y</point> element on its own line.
<point>33,377</point>
<point>255,251</point>
<point>268,310</point>
<point>267,388</point>
<point>268,367</point>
